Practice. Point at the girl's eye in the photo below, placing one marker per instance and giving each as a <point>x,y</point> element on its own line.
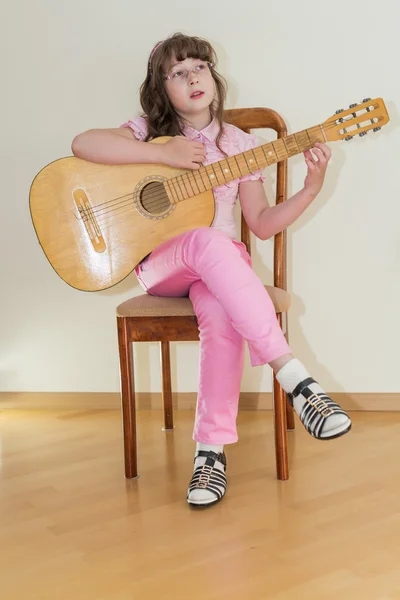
<point>177,74</point>
<point>200,67</point>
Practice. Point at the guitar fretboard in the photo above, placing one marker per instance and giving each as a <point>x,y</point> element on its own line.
<point>206,178</point>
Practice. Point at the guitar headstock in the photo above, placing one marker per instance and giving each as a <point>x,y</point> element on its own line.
<point>358,119</point>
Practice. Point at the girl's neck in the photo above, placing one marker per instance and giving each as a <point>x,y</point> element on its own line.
<point>200,121</point>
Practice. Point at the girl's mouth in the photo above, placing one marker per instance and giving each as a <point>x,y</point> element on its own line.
<point>197,95</point>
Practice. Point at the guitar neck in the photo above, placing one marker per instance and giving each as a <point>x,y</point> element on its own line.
<point>206,178</point>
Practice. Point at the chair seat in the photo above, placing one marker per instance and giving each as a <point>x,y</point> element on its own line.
<point>157,306</point>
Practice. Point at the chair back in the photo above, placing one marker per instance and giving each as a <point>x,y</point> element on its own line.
<point>265,118</point>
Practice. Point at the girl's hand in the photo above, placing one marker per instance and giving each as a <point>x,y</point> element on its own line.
<point>317,161</point>
<point>181,153</point>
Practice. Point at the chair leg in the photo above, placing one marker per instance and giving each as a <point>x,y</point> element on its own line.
<point>283,322</point>
<point>281,450</point>
<point>166,386</point>
<point>291,424</point>
<point>128,399</point>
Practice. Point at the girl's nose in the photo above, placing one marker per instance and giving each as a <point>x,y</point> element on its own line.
<point>193,77</point>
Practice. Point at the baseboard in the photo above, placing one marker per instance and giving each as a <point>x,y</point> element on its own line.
<point>182,400</point>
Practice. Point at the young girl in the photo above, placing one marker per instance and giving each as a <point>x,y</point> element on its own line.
<point>183,96</point>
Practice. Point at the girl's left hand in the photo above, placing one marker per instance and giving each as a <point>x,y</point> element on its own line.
<point>317,161</point>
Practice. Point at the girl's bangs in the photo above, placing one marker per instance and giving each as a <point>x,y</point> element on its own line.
<point>180,49</point>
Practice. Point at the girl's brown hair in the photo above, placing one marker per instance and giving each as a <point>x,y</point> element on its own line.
<point>162,118</point>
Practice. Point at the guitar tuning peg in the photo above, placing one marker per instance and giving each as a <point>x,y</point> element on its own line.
<point>352,105</point>
<point>363,133</point>
<point>339,111</point>
<point>366,99</point>
<point>375,129</point>
<point>348,138</point>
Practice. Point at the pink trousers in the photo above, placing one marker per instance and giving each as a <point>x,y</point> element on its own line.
<point>231,305</point>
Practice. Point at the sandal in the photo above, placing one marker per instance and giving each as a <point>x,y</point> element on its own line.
<point>207,477</point>
<point>316,410</point>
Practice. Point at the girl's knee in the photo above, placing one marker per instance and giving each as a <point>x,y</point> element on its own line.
<point>209,311</point>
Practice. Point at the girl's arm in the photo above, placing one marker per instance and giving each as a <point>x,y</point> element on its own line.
<point>114,147</point>
<point>120,147</point>
<point>266,221</point>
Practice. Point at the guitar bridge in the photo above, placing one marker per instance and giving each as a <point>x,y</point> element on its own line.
<point>89,220</point>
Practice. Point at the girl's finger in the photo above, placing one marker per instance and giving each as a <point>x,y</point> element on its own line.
<point>310,164</point>
<point>308,154</point>
<point>326,151</point>
<point>318,152</point>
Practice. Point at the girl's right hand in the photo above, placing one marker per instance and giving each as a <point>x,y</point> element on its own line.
<point>181,153</point>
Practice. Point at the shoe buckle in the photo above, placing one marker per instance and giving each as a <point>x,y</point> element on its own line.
<point>320,405</point>
<point>205,474</point>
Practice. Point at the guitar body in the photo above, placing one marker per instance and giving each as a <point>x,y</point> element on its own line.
<point>96,222</point>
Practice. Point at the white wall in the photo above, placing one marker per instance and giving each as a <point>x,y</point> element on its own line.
<point>71,66</point>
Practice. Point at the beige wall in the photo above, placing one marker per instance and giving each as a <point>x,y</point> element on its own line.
<point>70,66</point>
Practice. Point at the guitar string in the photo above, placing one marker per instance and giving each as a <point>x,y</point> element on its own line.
<point>195,173</point>
<point>155,201</point>
<point>161,194</point>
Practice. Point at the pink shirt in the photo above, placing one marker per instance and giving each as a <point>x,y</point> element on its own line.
<point>233,142</point>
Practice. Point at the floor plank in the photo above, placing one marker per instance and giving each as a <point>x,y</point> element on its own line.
<point>71,526</point>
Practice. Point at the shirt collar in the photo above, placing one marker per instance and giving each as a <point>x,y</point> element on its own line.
<point>210,132</point>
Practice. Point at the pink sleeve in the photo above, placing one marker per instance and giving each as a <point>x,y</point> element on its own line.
<point>138,126</point>
<point>247,141</point>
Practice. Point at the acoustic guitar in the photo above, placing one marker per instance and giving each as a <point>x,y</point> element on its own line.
<point>96,222</point>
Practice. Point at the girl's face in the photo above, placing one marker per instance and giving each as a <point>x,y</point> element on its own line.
<point>190,86</point>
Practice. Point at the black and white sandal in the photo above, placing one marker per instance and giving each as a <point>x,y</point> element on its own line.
<point>317,408</point>
<point>208,478</point>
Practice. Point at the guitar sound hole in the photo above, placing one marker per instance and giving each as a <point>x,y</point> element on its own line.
<point>154,198</point>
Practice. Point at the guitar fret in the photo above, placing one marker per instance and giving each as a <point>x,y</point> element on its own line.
<point>178,188</point>
<point>170,189</point>
<point>245,158</point>
<point>271,153</point>
<point>190,183</point>
<point>193,183</point>
<point>226,168</point>
<point>249,159</point>
<point>290,145</point>
<point>265,154</point>
<point>255,158</point>
<point>212,176</point>
<point>280,150</point>
<point>184,187</point>
<point>315,135</point>
<point>303,140</point>
<point>218,175</point>
<point>232,167</point>
<point>189,189</point>
<point>201,170</point>
<point>195,178</point>
<point>218,164</point>
<point>240,172</point>
<point>261,160</point>
<point>214,173</point>
<point>199,175</point>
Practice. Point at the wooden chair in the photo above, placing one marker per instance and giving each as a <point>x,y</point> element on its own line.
<point>148,318</point>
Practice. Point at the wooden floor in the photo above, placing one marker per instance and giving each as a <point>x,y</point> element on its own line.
<point>71,526</point>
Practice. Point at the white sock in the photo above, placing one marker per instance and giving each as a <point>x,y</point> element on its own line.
<point>205,496</point>
<point>294,373</point>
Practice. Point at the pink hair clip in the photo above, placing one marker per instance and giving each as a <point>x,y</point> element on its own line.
<point>152,53</point>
